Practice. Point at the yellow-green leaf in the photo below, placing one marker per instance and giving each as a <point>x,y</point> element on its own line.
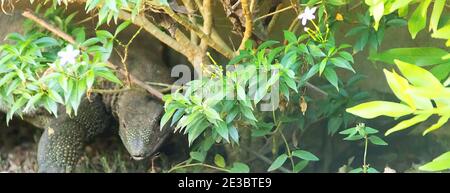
<point>438,7</point>
<point>419,76</point>
<point>376,10</point>
<point>438,125</point>
<point>408,123</point>
<point>374,109</point>
<point>418,19</point>
<point>442,33</point>
<point>399,86</point>
<point>440,163</point>
<point>402,89</point>
<point>219,160</point>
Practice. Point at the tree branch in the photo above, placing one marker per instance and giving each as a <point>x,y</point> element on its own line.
<point>191,9</point>
<point>207,23</point>
<point>148,26</point>
<point>248,23</point>
<point>225,51</point>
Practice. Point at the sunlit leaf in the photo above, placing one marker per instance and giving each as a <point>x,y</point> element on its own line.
<point>374,109</point>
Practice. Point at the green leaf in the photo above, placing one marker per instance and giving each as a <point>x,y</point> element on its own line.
<point>46,42</point>
<point>418,19</point>
<point>32,101</point>
<point>342,63</point>
<point>212,114</point>
<point>376,140</point>
<point>240,92</point>
<point>348,131</point>
<point>353,138</point>
<point>438,7</point>
<point>90,42</point>
<point>166,117</point>
<point>222,129</point>
<point>75,96</point>
<point>331,76</point>
<point>234,134</point>
<point>176,117</point>
<point>199,156</point>
<point>6,78</point>
<point>441,71</point>
<point>290,37</point>
<point>305,155</point>
<point>62,80</point>
<point>278,162</point>
<point>346,56</point>
<point>370,130</point>
<point>247,112</point>
<point>396,22</point>
<point>121,27</point>
<point>337,2</point>
<point>239,167</point>
<point>356,170</point>
<point>311,72</point>
<point>79,34</point>
<point>108,75</point>
<point>16,106</point>
<point>300,166</point>
<point>55,96</point>
<point>196,131</point>
<point>372,170</point>
<point>316,51</point>
<point>374,109</point>
<point>356,30</point>
<point>90,78</point>
<point>290,83</point>
<point>51,106</point>
<point>361,43</point>
<point>438,164</point>
<point>420,56</point>
<point>219,161</point>
<point>104,34</point>
<point>322,66</point>
<point>267,44</point>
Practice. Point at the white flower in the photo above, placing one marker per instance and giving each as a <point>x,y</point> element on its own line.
<point>68,55</point>
<point>308,14</point>
<point>387,169</point>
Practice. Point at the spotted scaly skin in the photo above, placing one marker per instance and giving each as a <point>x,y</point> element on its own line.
<point>139,116</point>
<point>62,143</point>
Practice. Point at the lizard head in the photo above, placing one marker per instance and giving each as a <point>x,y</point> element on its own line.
<point>139,116</point>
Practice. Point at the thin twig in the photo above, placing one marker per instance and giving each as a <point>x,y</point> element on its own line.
<point>275,12</point>
<point>105,91</point>
<point>317,89</point>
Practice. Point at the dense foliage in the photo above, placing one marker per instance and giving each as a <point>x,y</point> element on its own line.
<point>265,88</point>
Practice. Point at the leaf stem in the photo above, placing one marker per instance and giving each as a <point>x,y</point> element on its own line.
<point>365,166</point>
